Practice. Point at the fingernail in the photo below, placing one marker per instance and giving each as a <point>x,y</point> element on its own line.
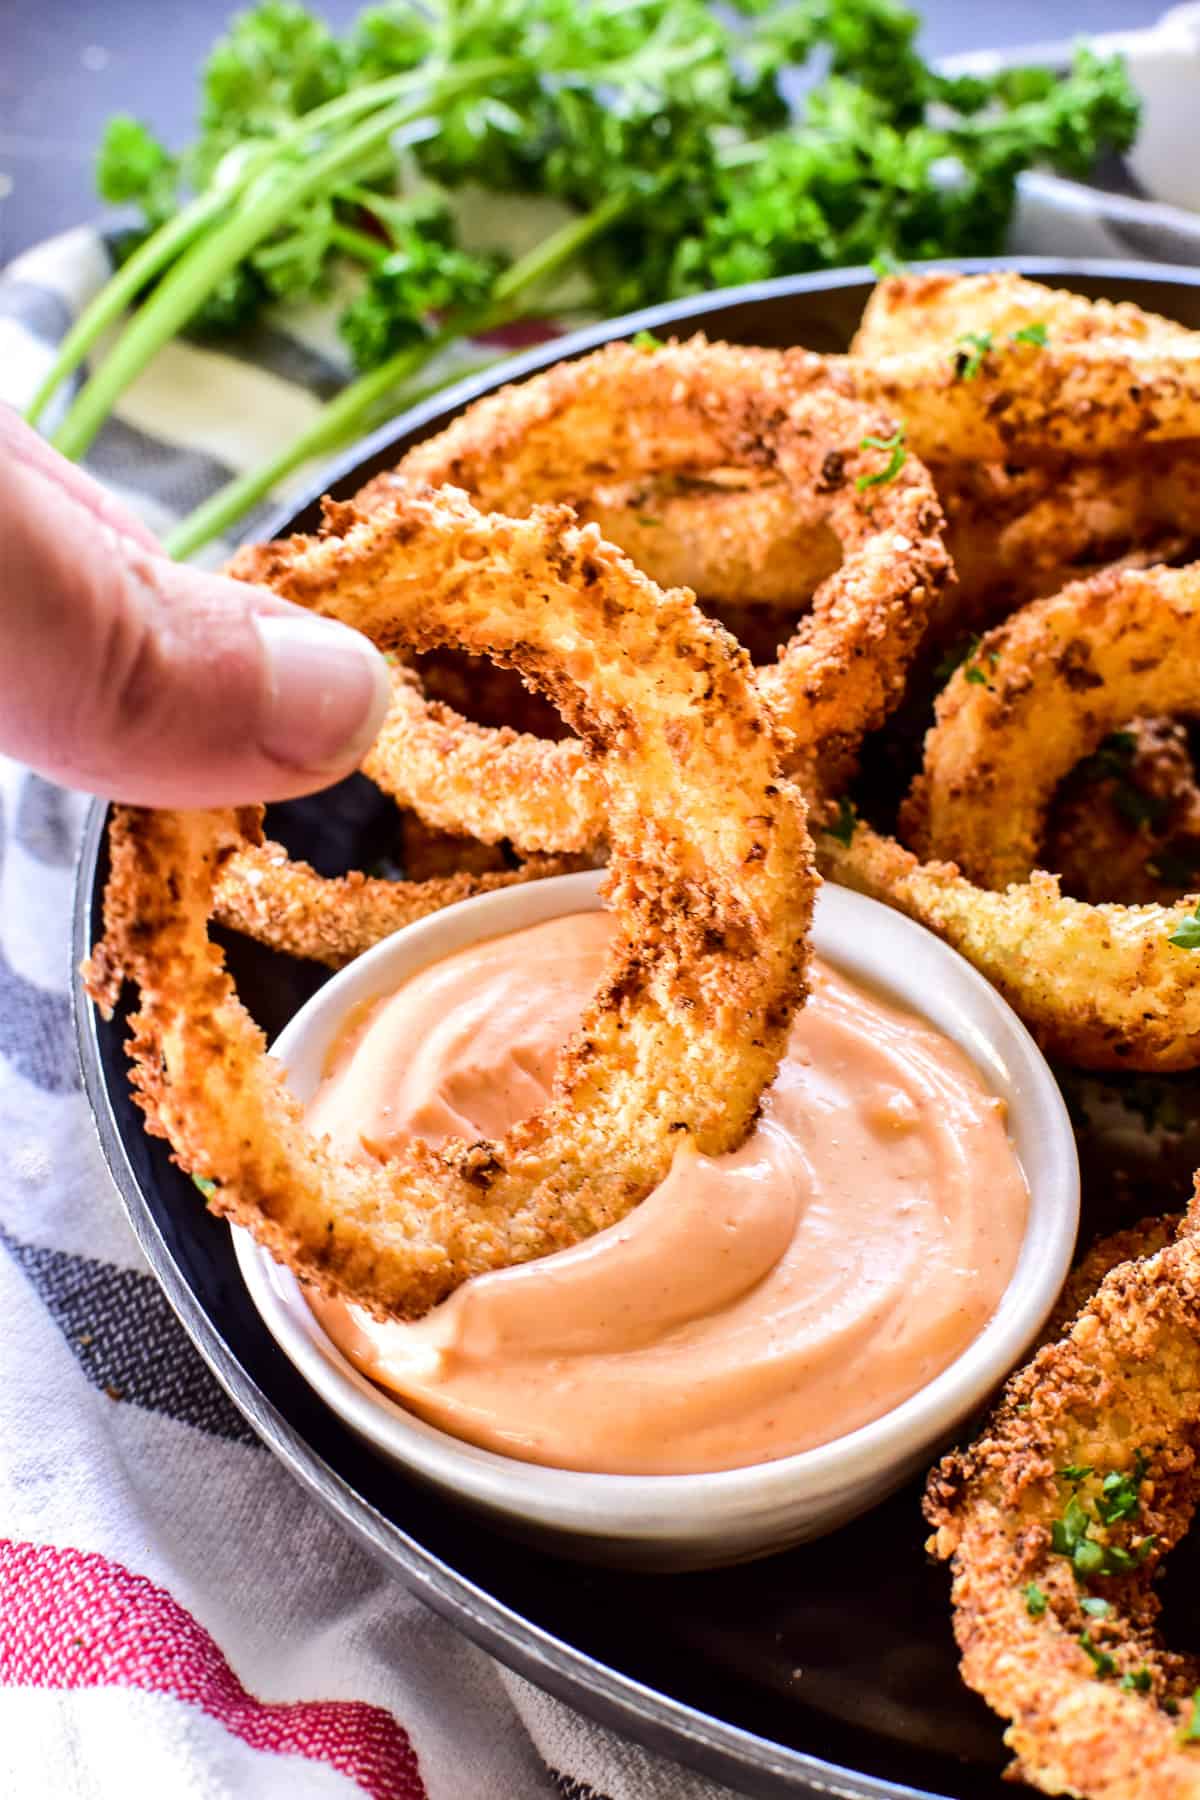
<point>327,692</point>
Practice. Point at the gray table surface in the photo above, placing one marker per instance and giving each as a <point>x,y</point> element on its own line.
<point>66,65</point>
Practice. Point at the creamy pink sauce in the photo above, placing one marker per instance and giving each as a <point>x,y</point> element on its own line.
<point>754,1304</point>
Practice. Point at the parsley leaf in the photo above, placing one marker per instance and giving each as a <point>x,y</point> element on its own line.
<point>1095,1607</point>
<point>1186,935</point>
<point>207,1186</point>
<point>1035,334</point>
<point>1103,1663</point>
<point>1189,1731</point>
<point>896,461</point>
<point>1035,1600</point>
<point>646,340</point>
<point>967,363</point>
<point>843,826</point>
<point>1138,1681</point>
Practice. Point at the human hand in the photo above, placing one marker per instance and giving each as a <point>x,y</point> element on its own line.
<point>129,675</point>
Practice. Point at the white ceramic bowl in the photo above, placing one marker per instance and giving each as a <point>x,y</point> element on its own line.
<point>695,1521</point>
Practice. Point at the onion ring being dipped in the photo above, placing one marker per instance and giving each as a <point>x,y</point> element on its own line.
<point>1102,987</point>
<point>711,878</point>
<point>994,366</point>
<point>1039,693</point>
<point>1056,1519</point>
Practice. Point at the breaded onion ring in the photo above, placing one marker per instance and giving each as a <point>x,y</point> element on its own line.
<point>1041,692</point>
<point>1056,1519</point>
<point>1100,986</point>
<point>626,412</point>
<point>946,354</point>
<point>711,879</point>
<point>262,893</point>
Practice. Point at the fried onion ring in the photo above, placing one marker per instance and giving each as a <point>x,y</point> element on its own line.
<point>1040,693</point>
<point>711,878</point>
<point>1100,986</point>
<point>945,354</point>
<point>626,412</point>
<point>1055,1521</point>
<point>262,893</point>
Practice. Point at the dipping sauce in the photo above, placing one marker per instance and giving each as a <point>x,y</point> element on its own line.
<point>755,1304</point>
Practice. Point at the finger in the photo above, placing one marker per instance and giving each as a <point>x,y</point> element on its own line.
<point>139,678</point>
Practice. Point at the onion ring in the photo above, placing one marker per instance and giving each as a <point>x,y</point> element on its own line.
<point>1040,693</point>
<point>711,877</point>
<point>262,893</point>
<point>993,366</point>
<point>628,411</point>
<point>1056,1520</point>
<point>1103,987</point>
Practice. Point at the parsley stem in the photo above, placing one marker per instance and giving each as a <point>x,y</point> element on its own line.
<point>350,412</point>
<point>359,244</point>
<point>277,193</point>
<point>177,234</point>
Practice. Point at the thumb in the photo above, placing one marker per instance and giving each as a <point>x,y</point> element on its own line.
<point>132,676</point>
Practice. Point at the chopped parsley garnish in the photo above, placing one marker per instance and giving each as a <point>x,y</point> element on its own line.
<point>1187,935</point>
<point>1138,1681</point>
<point>967,363</point>
<point>1104,1665</point>
<point>1035,334</point>
<point>897,460</point>
<point>1117,1501</point>
<point>1189,1731</point>
<point>646,340</point>
<point>842,827</point>
<point>1035,1600</point>
<point>1095,1607</point>
<point>207,1187</point>
<point>1118,1496</point>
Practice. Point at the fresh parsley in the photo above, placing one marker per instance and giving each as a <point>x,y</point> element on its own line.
<point>207,1186</point>
<point>1035,334</point>
<point>1102,1662</point>
<point>1189,1731</point>
<point>967,363</point>
<point>1094,1607</point>
<point>646,340</point>
<point>1186,935</point>
<point>666,129</point>
<point>842,828</point>
<point>1035,1600</point>
<point>1116,1502</point>
<point>1138,1681</point>
<point>896,460</point>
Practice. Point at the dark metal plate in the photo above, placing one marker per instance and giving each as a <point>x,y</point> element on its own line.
<point>830,1670</point>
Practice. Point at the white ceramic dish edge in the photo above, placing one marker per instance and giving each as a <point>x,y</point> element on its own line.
<point>691,1521</point>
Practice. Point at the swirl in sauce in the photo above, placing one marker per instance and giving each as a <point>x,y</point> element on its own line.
<point>754,1304</point>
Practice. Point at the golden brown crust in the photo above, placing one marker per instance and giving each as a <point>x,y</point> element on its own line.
<point>1041,692</point>
<point>1117,1398</point>
<point>711,878</point>
<point>1107,374</point>
<point>262,893</point>
<point>1099,986</point>
<point>698,410</point>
